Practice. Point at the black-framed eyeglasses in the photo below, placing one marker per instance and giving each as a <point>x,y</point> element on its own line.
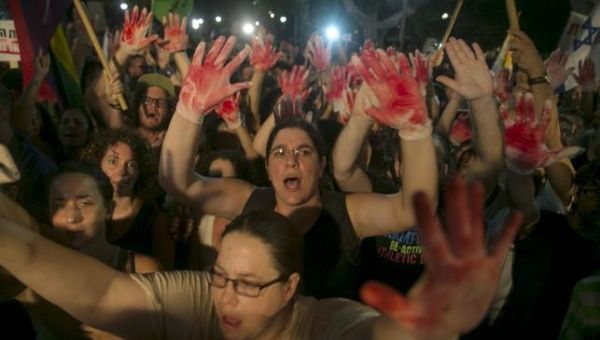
<point>241,287</point>
<point>283,152</point>
<point>160,103</point>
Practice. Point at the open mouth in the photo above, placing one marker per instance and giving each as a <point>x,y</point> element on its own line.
<point>292,183</point>
<point>230,322</point>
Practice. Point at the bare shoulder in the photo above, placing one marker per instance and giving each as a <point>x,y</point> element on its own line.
<point>145,264</point>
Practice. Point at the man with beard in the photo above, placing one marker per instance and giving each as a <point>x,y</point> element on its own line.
<point>153,103</point>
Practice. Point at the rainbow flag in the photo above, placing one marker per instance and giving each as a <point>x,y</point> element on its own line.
<point>35,22</point>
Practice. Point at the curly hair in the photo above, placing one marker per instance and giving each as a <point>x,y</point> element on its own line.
<point>146,184</point>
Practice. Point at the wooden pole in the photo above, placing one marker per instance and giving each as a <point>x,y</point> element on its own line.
<point>438,58</point>
<point>513,17</point>
<point>99,52</point>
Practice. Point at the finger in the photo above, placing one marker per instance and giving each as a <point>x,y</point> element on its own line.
<point>199,54</point>
<point>529,113</point>
<point>233,88</point>
<point>403,64</point>
<point>183,26</point>
<point>456,216</point>
<point>225,51</point>
<point>465,49</point>
<point>436,250</point>
<point>478,52</point>
<point>500,245</point>
<point>384,298</point>
<point>214,50</point>
<point>386,62</point>
<point>362,70</point>
<point>164,21</point>
<point>235,63</point>
<point>448,82</point>
<point>476,210</point>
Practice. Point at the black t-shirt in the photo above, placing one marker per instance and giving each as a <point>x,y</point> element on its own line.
<point>547,264</point>
<point>331,256</point>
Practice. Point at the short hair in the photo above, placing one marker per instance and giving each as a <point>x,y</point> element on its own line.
<point>145,185</point>
<point>279,233</point>
<point>79,167</point>
<point>301,124</point>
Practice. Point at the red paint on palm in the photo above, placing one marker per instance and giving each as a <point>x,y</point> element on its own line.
<point>420,67</point>
<point>503,86</point>
<point>175,34</point>
<point>338,81</point>
<point>228,109</point>
<point>263,56</point>
<point>294,83</point>
<point>460,131</point>
<point>134,27</point>
<point>368,47</point>
<point>321,55</point>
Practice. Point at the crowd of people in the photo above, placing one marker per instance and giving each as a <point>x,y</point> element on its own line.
<point>256,192</point>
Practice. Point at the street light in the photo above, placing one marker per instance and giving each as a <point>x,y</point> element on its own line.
<point>124,6</point>
<point>257,23</point>
<point>283,19</point>
<point>271,14</point>
<point>332,32</point>
<point>444,16</point>
<point>248,28</point>
<point>197,22</point>
<point>218,18</point>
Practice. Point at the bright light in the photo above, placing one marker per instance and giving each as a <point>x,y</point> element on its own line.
<point>445,16</point>
<point>218,18</point>
<point>332,33</point>
<point>257,23</point>
<point>248,28</point>
<point>124,6</point>
<point>197,22</point>
<point>283,19</point>
<point>271,14</point>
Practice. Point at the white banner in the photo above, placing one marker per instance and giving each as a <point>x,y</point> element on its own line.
<point>571,31</point>
<point>581,47</point>
<point>9,45</point>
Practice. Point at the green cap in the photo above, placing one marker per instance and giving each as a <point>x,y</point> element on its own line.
<point>158,80</point>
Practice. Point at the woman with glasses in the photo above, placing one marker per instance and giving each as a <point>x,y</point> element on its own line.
<point>333,223</point>
<point>252,290</point>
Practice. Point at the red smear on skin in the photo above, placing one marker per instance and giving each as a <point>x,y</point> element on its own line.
<point>321,56</point>
<point>294,83</point>
<point>131,27</point>
<point>461,129</point>
<point>421,67</point>
<point>391,52</point>
<point>263,55</point>
<point>503,88</point>
<point>338,83</point>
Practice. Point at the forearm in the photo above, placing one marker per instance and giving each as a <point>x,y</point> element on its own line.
<point>178,153</point>
<point>246,142</point>
<point>561,176</point>
<point>262,136</point>
<point>419,174</point>
<point>347,148</point>
<point>59,274</point>
<point>182,62</point>
<point>487,139</point>
<point>587,105</point>
<point>254,93</point>
<point>22,116</point>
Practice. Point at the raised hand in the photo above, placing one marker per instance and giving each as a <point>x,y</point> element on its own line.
<point>286,108</point>
<point>399,102</point>
<point>473,78</point>
<point>340,93</point>
<point>294,83</point>
<point>207,82</point>
<point>229,111</point>
<point>114,42</point>
<point>114,87</point>
<point>555,66</point>
<point>135,29</point>
<point>41,65</point>
<point>318,54</point>
<point>176,38</point>
<point>525,54</point>
<point>460,131</point>
<point>461,273</point>
<point>263,56</point>
<point>586,74</point>
<point>525,136</point>
<point>503,86</point>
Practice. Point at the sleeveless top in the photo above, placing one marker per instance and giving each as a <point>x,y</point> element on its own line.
<point>331,246</point>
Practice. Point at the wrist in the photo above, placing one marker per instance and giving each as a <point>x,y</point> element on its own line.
<point>187,114</point>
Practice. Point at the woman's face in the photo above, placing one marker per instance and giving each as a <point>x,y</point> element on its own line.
<point>294,167</point>
<point>121,167</point>
<point>154,109</point>
<point>247,259</point>
<point>77,209</point>
<point>73,128</point>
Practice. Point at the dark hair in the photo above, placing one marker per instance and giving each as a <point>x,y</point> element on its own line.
<point>145,185</point>
<point>301,124</point>
<point>141,90</point>
<point>80,167</point>
<point>240,164</point>
<point>589,173</point>
<point>278,232</point>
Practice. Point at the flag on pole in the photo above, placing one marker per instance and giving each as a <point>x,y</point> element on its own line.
<point>65,73</point>
<point>161,8</point>
<point>35,22</point>
<point>582,44</point>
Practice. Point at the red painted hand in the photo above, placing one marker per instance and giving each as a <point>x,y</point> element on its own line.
<point>460,131</point>
<point>340,93</point>
<point>421,69</point>
<point>135,28</point>
<point>318,55</point>
<point>263,56</point>
<point>176,38</point>
<point>207,83</point>
<point>461,273</point>
<point>525,136</point>
<point>294,83</point>
<point>229,110</point>
<point>398,103</point>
